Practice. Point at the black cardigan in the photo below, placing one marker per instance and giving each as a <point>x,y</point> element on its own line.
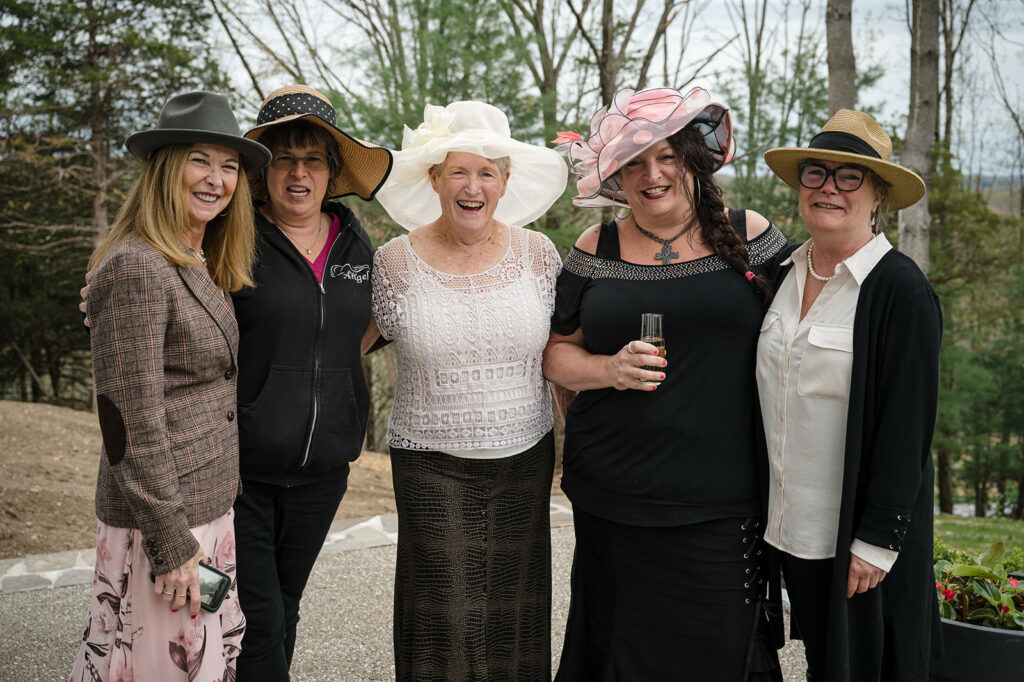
<point>888,479</point>
<point>302,397</point>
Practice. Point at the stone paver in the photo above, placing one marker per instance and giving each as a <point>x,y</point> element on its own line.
<point>75,567</point>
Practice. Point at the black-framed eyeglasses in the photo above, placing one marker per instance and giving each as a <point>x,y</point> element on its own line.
<point>846,178</point>
<point>313,162</point>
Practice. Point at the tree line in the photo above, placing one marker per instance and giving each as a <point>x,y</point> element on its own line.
<point>76,77</point>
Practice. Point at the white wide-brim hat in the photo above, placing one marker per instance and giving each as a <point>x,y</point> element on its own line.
<point>537,175</point>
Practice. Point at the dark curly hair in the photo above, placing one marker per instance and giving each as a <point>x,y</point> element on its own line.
<point>692,155</point>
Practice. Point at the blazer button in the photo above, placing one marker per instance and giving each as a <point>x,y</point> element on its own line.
<point>231,416</point>
<point>230,373</point>
<point>159,561</point>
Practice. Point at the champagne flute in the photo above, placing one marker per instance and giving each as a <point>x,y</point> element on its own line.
<point>650,332</point>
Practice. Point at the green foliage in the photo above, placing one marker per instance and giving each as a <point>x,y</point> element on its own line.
<point>977,589</point>
<point>975,256</point>
<point>77,77</point>
<point>435,52</point>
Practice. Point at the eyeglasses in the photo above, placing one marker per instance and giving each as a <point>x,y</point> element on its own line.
<point>313,163</point>
<point>846,178</point>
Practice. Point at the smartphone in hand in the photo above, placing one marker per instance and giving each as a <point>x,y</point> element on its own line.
<point>213,587</point>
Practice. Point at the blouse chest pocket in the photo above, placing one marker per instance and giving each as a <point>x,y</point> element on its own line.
<point>769,344</point>
<point>827,362</point>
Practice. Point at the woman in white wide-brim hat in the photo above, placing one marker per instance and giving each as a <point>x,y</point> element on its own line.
<point>467,297</point>
<point>847,367</point>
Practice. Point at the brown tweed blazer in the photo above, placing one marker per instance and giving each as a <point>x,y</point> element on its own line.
<point>164,348</point>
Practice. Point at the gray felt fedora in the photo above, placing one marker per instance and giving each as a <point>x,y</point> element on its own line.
<point>199,117</point>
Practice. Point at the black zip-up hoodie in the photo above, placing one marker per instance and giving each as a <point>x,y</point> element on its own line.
<point>302,397</point>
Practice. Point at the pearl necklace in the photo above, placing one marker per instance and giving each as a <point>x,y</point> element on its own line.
<point>810,265</point>
<point>195,253</point>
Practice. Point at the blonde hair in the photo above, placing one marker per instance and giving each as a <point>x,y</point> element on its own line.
<point>155,210</point>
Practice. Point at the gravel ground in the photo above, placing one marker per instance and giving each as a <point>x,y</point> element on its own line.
<point>344,634</point>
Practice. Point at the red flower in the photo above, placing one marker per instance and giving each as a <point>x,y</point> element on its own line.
<point>1014,582</point>
<point>938,585</point>
<point>949,593</point>
<point>1006,609</point>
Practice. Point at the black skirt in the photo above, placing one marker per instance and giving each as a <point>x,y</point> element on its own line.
<point>473,575</point>
<point>667,603</point>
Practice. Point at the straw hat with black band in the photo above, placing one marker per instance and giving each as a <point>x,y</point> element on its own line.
<point>364,166</point>
<point>854,137</point>
<point>198,118</point>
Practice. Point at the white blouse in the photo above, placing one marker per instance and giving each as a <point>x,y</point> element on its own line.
<point>803,379</point>
<point>469,347</point>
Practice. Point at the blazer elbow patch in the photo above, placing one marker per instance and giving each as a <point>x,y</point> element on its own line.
<point>112,429</point>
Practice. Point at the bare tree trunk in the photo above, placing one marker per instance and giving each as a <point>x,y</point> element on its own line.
<point>954,21</point>
<point>916,152</point>
<point>842,66</point>
<point>944,469</point>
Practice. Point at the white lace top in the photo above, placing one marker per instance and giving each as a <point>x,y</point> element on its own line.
<point>469,346</point>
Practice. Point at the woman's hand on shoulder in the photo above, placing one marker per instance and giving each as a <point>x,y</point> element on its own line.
<point>178,582</point>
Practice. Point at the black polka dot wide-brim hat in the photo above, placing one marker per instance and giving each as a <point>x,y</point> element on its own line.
<point>364,166</point>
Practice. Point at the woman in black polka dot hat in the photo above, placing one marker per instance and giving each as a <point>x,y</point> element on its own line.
<point>302,398</point>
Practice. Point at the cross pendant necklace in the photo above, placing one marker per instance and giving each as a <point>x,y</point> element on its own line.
<point>666,254</point>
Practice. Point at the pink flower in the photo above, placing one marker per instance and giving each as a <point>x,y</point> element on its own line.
<point>938,585</point>
<point>567,136</point>
<point>1014,582</point>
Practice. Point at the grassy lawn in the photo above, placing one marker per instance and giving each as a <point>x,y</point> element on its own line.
<point>977,535</point>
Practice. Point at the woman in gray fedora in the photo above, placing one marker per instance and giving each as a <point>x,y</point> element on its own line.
<point>303,323</point>
<point>164,353</point>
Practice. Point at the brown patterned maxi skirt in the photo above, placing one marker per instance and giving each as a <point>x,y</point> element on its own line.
<point>473,576</point>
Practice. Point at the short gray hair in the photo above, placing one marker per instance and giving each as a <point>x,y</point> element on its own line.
<point>503,163</point>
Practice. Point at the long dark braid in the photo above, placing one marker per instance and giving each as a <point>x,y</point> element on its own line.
<point>693,155</point>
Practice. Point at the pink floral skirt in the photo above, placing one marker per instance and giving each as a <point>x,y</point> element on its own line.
<point>131,633</point>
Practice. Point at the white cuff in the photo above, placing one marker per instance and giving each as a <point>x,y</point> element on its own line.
<point>879,557</point>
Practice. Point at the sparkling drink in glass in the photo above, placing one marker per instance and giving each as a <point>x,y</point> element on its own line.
<point>650,332</point>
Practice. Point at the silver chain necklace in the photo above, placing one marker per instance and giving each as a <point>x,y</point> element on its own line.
<point>810,265</point>
<point>308,250</point>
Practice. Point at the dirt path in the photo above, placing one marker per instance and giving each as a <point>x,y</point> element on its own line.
<point>48,460</point>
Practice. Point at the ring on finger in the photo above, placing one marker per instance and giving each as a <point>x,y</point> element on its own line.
<point>629,347</point>
<point>166,593</point>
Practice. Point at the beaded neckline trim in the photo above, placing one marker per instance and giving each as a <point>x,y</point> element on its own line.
<point>761,249</point>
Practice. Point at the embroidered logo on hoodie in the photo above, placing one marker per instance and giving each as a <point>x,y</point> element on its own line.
<point>358,273</point>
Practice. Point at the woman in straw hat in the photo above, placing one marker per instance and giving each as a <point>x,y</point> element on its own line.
<point>302,397</point>
<point>164,352</point>
<point>659,459</point>
<point>847,366</point>
<point>467,296</point>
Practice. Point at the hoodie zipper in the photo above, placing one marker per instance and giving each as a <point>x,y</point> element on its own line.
<point>315,388</point>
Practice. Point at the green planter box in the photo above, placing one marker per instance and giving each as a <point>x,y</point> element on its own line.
<point>977,654</point>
